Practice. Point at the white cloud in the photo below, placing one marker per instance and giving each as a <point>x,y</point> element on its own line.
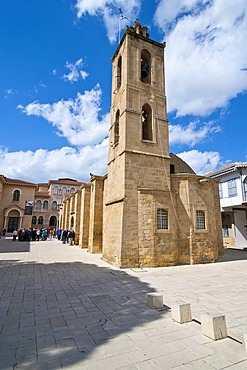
<point>41,165</point>
<point>191,134</point>
<point>201,162</point>
<point>75,71</point>
<point>109,11</point>
<point>77,120</point>
<point>206,53</point>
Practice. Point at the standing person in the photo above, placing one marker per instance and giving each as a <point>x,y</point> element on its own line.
<point>33,234</point>
<point>38,234</point>
<point>72,237</point>
<point>44,234</point>
<point>64,236</point>
<point>15,233</point>
<point>59,233</point>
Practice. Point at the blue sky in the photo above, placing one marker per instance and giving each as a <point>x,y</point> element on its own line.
<point>55,82</point>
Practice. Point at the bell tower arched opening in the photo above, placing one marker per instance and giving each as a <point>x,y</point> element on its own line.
<point>147,131</point>
<point>119,72</point>
<point>116,128</point>
<point>145,66</point>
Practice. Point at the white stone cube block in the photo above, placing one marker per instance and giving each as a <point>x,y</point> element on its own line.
<point>181,312</point>
<point>245,341</point>
<point>214,326</point>
<point>154,300</point>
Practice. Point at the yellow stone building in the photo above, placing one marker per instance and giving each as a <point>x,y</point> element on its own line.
<point>150,209</point>
<point>28,205</point>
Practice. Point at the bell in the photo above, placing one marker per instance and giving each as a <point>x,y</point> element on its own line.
<point>144,70</point>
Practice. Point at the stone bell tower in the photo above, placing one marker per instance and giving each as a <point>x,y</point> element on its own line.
<point>138,179</point>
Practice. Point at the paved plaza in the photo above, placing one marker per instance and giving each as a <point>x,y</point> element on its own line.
<point>62,307</point>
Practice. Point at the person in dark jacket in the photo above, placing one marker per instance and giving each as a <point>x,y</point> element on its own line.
<point>72,237</point>
<point>64,236</point>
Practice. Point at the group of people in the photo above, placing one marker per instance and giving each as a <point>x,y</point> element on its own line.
<point>66,236</point>
<point>33,234</point>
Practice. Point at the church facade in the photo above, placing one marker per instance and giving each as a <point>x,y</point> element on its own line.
<point>151,209</point>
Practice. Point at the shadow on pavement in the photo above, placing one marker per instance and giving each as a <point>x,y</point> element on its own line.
<point>55,315</point>
<point>231,254</point>
<point>10,246</point>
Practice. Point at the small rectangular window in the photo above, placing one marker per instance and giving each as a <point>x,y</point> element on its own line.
<point>162,219</point>
<point>200,220</point>
<point>232,188</point>
<point>220,190</point>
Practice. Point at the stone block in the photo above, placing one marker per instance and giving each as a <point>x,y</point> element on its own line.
<point>214,326</point>
<point>154,300</point>
<point>245,341</point>
<point>181,312</point>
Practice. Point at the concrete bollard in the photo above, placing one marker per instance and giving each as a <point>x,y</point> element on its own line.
<point>181,312</point>
<point>154,300</point>
<point>214,326</point>
<point>245,341</point>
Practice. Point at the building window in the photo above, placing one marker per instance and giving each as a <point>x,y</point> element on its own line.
<point>145,66</point>
<point>40,220</point>
<point>16,195</point>
<point>116,128</point>
<point>200,220</point>
<point>55,189</point>
<point>220,190</point>
<point>162,219</point>
<point>232,188</point>
<point>38,205</point>
<point>45,204</point>
<point>172,169</point>
<point>54,205</point>
<point>147,123</point>
<point>72,190</point>
<point>34,220</point>
<point>64,190</point>
<point>119,72</point>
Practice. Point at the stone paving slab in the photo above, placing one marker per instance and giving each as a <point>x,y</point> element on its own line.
<point>63,308</point>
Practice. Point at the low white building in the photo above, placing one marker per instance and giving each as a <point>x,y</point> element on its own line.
<point>233,200</point>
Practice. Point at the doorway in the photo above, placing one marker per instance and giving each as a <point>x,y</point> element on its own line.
<point>13,224</point>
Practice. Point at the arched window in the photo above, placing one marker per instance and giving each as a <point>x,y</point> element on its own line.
<point>55,189</point>
<point>53,221</point>
<point>119,72</point>
<point>72,190</point>
<point>116,128</point>
<point>34,220</point>
<point>147,133</point>
<point>54,205</point>
<point>38,205</point>
<point>145,66</point>
<point>45,204</point>
<point>16,195</point>
<point>72,222</point>
<point>64,189</point>
<point>40,220</point>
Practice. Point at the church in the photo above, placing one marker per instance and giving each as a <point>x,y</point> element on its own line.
<point>150,209</point>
